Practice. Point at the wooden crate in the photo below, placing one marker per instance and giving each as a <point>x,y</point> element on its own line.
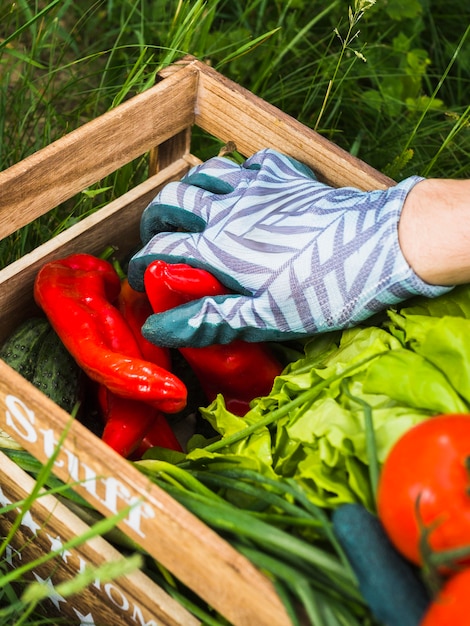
<point>157,122</point>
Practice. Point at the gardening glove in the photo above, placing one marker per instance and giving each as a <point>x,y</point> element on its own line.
<point>389,584</point>
<point>300,257</point>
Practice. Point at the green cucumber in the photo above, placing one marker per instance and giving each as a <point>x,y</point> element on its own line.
<point>57,374</point>
<point>36,352</point>
<point>21,348</point>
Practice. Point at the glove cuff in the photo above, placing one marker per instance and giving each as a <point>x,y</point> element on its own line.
<point>397,281</point>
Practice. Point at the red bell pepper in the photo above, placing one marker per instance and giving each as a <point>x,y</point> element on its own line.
<point>240,371</point>
<point>160,434</point>
<point>77,293</point>
<point>135,308</point>
<point>132,426</point>
<point>127,421</point>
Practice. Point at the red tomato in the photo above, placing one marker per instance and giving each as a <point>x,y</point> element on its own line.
<point>450,607</point>
<point>430,463</point>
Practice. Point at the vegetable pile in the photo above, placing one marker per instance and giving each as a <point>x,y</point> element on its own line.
<point>96,318</point>
<point>375,418</point>
<point>413,366</point>
<point>374,411</point>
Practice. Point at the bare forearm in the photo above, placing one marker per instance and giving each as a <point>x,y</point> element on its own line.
<point>434,231</point>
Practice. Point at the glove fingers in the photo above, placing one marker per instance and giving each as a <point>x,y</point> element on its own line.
<point>217,175</point>
<point>280,165</point>
<point>172,248</point>
<point>177,206</point>
<point>211,320</point>
<point>187,205</point>
<point>160,218</point>
<point>178,247</point>
<point>173,328</point>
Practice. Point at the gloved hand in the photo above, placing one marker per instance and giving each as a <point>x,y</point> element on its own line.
<point>300,257</point>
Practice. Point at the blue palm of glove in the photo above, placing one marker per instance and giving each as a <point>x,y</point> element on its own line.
<point>301,257</point>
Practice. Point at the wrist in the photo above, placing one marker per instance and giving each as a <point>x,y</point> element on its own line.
<point>434,231</point>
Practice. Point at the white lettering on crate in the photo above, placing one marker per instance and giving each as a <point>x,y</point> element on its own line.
<point>109,491</point>
<point>20,418</point>
<point>77,564</point>
<point>85,620</point>
<point>10,554</point>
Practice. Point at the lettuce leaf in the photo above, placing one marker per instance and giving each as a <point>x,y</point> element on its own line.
<point>412,380</point>
<point>439,331</point>
<point>415,366</point>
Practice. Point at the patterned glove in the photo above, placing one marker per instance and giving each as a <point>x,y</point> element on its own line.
<point>300,257</point>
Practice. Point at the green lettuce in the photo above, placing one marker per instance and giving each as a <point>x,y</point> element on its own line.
<point>439,331</point>
<point>313,427</point>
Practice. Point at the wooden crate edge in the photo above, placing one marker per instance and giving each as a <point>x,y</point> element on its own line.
<point>49,526</point>
<point>193,552</point>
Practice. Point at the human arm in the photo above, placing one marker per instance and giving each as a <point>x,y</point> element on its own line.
<point>434,231</point>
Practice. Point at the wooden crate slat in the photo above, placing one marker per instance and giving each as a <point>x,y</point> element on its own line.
<point>72,163</point>
<point>195,554</point>
<point>230,112</point>
<point>47,527</point>
<point>169,151</point>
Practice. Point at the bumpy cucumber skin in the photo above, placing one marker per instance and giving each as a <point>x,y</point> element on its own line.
<point>35,351</point>
<point>57,374</point>
<point>21,348</point>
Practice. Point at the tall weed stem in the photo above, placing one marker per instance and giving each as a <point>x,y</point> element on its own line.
<point>354,16</point>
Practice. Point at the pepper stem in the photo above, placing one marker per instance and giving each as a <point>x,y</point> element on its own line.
<point>108,252</point>
<point>118,269</point>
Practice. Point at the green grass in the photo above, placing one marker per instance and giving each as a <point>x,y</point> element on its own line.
<point>389,82</point>
<point>21,597</point>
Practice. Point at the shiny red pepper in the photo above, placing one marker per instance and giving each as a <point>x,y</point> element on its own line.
<point>127,421</point>
<point>135,308</point>
<point>161,435</point>
<point>77,293</point>
<point>131,425</point>
<point>240,371</point>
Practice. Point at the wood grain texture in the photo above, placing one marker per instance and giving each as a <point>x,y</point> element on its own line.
<point>77,160</point>
<point>115,224</point>
<point>231,113</point>
<point>49,525</point>
<point>169,151</point>
<point>190,550</point>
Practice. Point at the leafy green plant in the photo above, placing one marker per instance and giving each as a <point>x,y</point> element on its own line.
<point>386,81</point>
